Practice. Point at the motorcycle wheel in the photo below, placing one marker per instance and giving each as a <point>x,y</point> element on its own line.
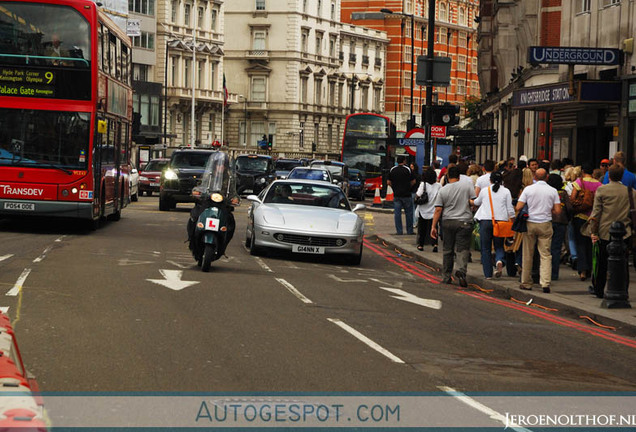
<point>208,256</point>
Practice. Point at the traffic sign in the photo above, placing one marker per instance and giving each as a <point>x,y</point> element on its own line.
<point>438,131</point>
<point>415,134</point>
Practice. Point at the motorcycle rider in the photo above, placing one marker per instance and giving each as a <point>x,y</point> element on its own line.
<point>220,170</point>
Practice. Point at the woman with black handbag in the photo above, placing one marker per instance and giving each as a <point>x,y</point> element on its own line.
<point>424,200</point>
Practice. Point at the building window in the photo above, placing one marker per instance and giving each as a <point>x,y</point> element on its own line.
<point>316,133</point>
<point>146,7</point>
<point>303,89</point>
<point>304,37</point>
<point>154,111</point>
<point>186,15</point>
<point>256,133</point>
<point>461,86</point>
<point>186,74</point>
<point>200,22</point>
<point>212,76</point>
<point>333,11</point>
<point>409,6</point>
<point>301,140</point>
<point>318,44</point>
<point>258,89</point>
<point>319,9</point>
<point>242,133</point>
<point>442,36</point>
<point>341,94</point>
<point>260,5</point>
<point>605,3</point>
<point>175,8</point>
<point>141,72</point>
<point>407,31</point>
<point>146,40</point>
<point>201,74</point>
<point>214,16</point>
<point>583,6</point>
<point>173,71</point>
<point>462,16</point>
<point>259,41</point>
<point>304,6</point>
<point>329,134</point>
<point>461,63</point>
<point>332,46</point>
<point>318,91</point>
<point>377,99</point>
<point>462,42</point>
<point>442,16</point>
<point>407,53</point>
<point>364,94</point>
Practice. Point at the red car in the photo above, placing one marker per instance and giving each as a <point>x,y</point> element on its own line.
<point>149,176</point>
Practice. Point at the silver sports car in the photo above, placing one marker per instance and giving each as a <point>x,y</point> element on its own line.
<point>305,217</point>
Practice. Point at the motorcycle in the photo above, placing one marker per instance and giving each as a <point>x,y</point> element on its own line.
<point>211,224</point>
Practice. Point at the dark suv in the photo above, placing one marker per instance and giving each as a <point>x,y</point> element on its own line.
<point>253,173</point>
<point>179,177</point>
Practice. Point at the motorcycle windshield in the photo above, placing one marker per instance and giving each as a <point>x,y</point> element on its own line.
<point>217,173</point>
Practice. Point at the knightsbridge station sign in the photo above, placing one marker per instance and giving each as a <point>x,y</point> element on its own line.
<point>574,55</point>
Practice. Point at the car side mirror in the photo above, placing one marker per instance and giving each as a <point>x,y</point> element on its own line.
<point>359,207</point>
<point>254,198</point>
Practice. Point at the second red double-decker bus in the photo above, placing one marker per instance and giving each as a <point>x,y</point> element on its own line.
<point>65,110</point>
<point>365,145</point>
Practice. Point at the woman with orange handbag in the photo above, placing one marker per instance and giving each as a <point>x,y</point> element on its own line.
<point>495,204</point>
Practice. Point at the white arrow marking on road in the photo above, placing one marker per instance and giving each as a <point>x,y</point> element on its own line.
<point>5,257</point>
<point>173,280</point>
<point>395,284</point>
<point>4,309</point>
<point>337,279</point>
<point>407,297</point>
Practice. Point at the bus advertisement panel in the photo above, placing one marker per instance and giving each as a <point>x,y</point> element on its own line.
<point>53,160</point>
<point>365,144</point>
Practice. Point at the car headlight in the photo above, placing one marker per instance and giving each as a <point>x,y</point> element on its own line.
<point>217,197</point>
<point>170,175</point>
<point>142,178</point>
<point>262,180</point>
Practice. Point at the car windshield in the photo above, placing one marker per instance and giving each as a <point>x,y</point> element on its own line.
<point>335,170</point>
<point>309,174</point>
<point>251,164</point>
<point>287,165</point>
<point>156,165</point>
<point>307,194</point>
<point>190,160</point>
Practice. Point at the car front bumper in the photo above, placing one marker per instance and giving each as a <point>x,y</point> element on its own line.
<point>266,237</point>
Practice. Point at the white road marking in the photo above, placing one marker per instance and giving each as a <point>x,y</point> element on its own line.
<point>18,285</point>
<point>393,284</point>
<point>4,309</point>
<point>173,280</point>
<point>41,257</point>
<point>408,297</point>
<point>58,240</point>
<point>129,262</point>
<point>366,340</point>
<point>337,279</point>
<point>5,257</point>
<point>264,266</point>
<point>480,407</point>
<point>294,291</point>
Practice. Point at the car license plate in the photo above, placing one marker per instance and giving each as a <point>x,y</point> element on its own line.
<point>319,250</point>
<point>154,184</point>
<point>212,224</point>
<point>19,206</point>
<point>248,191</point>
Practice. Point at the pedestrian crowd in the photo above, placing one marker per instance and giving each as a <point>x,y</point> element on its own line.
<point>527,217</point>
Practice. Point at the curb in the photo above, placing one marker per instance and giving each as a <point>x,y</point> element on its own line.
<point>547,300</point>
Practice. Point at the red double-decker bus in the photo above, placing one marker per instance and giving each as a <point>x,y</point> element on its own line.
<point>365,145</point>
<point>65,111</point>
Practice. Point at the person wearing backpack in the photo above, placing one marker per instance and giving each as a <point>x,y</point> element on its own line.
<point>559,223</point>
<point>427,191</point>
<point>582,199</point>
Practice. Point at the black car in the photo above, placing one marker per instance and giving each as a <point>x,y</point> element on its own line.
<point>284,166</point>
<point>339,172</point>
<point>253,173</point>
<point>356,184</point>
<point>182,173</point>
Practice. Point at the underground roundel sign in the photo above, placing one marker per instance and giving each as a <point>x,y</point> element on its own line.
<point>414,133</point>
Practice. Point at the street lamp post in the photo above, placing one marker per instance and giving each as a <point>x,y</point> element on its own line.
<point>410,124</point>
<point>429,73</point>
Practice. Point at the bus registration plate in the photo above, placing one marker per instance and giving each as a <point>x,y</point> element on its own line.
<point>318,250</point>
<point>19,206</point>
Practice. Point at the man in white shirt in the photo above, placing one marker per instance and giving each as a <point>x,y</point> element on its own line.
<point>483,181</point>
<point>543,201</point>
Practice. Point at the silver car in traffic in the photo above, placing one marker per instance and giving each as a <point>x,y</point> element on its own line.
<point>305,217</point>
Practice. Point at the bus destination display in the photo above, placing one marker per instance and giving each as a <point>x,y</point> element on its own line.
<point>27,82</point>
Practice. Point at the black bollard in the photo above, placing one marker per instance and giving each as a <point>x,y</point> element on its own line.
<point>617,270</point>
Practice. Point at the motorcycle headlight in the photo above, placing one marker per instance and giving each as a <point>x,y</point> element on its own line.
<point>170,175</point>
<point>217,197</point>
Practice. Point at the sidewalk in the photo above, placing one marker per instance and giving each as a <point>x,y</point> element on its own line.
<point>569,294</point>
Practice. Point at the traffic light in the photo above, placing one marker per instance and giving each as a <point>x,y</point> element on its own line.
<point>270,141</point>
<point>445,115</point>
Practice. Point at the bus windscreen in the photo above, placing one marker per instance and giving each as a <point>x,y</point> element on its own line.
<point>44,139</point>
<point>44,51</point>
